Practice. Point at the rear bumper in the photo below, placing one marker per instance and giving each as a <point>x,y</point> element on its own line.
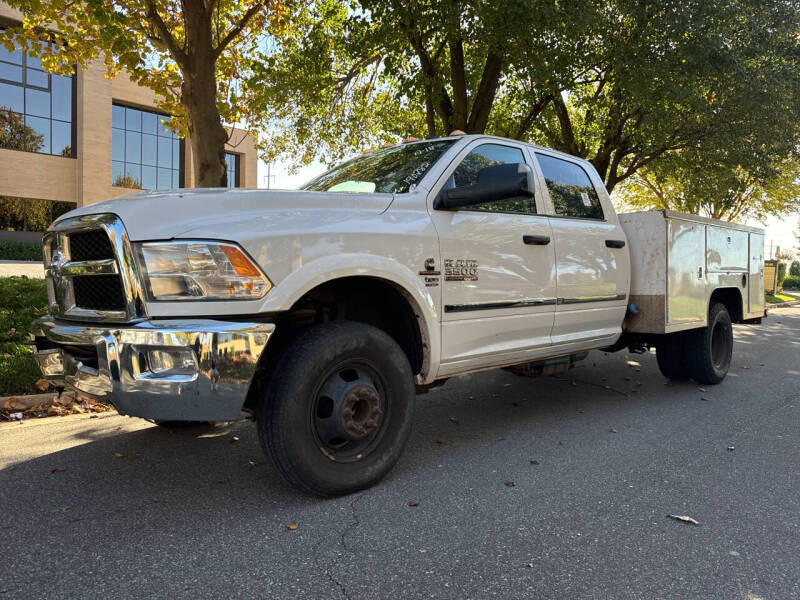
<point>182,370</point>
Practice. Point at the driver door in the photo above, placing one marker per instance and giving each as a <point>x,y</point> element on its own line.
<point>498,269</point>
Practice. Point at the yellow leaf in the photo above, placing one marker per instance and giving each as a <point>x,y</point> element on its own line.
<point>291,527</point>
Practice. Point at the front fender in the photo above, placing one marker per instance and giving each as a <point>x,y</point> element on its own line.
<point>329,268</point>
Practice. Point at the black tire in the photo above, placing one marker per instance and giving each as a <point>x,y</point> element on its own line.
<point>671,357</point>
<point>709,350</point>
<point>338,408</point>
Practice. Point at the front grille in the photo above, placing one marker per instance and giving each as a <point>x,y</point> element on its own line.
<point>98,292</point>
<point>89,270</point>
<point>90,245</point>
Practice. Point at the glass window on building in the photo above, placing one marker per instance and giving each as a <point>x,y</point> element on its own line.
<point>28,214</point>
<point>232,164</point>
<point>145,154</point>
<point>35,106</point>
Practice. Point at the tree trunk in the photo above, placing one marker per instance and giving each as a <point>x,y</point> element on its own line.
<point>206,133</point>
<point>199,97</point>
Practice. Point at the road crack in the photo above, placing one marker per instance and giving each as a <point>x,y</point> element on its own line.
<point>356,522</point>
<point>343,543</point>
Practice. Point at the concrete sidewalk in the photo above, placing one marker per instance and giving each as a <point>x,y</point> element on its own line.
<point>16,268</point>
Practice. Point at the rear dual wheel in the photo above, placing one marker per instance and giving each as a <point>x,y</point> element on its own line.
<point>338,408</point>
<point>703,354</point>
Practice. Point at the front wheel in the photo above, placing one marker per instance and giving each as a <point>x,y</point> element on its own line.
<point>338,408</point>
<point>709,349</point>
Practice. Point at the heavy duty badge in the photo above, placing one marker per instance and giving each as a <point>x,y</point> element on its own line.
<point>460,269</point>
<point>430,273</point>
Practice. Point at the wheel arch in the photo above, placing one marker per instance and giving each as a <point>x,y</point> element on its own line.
<point>731,298</point>
<point>372,299</point>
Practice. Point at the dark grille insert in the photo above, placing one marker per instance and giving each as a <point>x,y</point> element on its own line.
<point>90,245</point>
<point>99,292</point>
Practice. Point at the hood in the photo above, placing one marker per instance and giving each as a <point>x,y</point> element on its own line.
<point>215,212</point>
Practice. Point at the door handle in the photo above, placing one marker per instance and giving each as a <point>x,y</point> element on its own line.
<point>615,243</point>
<point>536,240</point>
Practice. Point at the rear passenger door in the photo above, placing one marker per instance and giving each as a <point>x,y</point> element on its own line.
<point>592,260</point>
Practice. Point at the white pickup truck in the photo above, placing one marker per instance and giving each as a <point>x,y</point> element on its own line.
<point>323,311</point>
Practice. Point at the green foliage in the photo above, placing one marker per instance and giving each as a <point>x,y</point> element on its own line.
<point>15,135</point>
<point>794,268</point>
<point>791,282</point>
<point>690,181</point>
<point>781,273</point>
<point>127,181</point>
<point>621,83</point>
<point>21,301</point>
<point>20,251</point>
<point>192,53</point>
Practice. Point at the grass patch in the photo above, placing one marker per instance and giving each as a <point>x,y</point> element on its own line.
<point>20,251</point>
<point>781,297</point>
<point>21,301</point>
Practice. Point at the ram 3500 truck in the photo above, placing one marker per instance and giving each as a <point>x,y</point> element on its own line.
<point>323,310</point>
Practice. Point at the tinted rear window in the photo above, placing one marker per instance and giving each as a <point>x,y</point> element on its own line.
<point>571,190</point>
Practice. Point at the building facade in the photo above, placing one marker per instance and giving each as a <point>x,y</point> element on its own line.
<point>71,141</point>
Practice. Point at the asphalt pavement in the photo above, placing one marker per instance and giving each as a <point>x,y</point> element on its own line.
<point>557,487</point>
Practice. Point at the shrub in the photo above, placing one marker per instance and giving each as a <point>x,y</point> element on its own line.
<point>21,301</point>
<point>791,282</point>
<point>781,273</point>
<point>795,268</point>
<point>20,251</point>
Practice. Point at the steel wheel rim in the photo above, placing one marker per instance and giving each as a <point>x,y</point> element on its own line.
<point>348,413</point>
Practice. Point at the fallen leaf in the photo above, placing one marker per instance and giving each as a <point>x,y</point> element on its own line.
<point>57,470</point>
<point>42,385</point>
<point>453,420</point>
<point>14,404</point>
<point>412,503</point>
<point>702,389</point>
<point>509,484</point>
<point>684,519</point>
<point>611,430</point>
<point>222,481</point>
<point>119,455</point>
<point>704,399</point>
<point>530,565</point>
<point>534,462</point>
<point>440,442</point>
<point>291,526</point>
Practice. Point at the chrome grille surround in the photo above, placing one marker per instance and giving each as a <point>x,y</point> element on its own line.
<point>60,270</point>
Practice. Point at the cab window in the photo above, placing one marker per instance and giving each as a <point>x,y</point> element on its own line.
<point>570,188</point>
<point>489,155</point>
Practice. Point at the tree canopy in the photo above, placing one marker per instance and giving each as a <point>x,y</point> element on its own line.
<point>192,53</point>
<point>621,83</point>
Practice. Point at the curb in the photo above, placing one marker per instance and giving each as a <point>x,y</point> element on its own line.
<point>32,400</point>
<point>784,304</point>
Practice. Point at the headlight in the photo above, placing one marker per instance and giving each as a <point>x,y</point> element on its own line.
<point>197,270</point>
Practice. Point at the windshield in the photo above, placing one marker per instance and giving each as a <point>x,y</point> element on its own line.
<point>390,170</point>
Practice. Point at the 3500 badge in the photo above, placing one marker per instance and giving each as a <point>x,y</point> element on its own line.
<point>460,269</point>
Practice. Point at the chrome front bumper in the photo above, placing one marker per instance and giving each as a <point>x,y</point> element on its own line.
<point>181,370</point>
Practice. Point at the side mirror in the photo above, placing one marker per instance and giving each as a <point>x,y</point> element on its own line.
<point>498,182</point>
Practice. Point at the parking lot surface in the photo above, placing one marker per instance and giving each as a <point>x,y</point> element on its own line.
<point>557,487</point>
